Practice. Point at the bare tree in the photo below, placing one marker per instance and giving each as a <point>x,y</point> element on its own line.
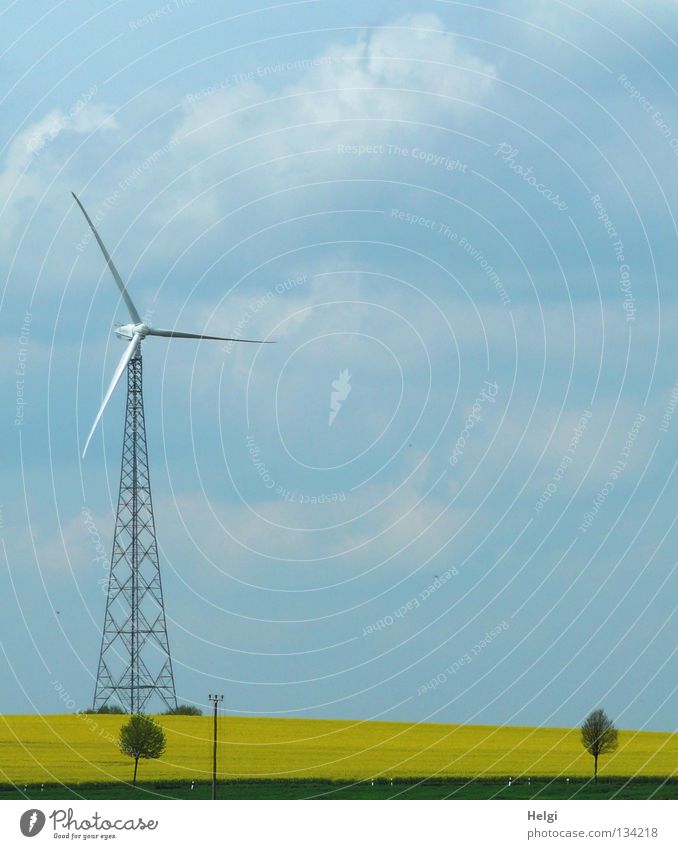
<point>598,737</point>
<point>141,737</point>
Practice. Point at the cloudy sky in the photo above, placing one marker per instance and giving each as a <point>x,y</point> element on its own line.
<point>448,493</point>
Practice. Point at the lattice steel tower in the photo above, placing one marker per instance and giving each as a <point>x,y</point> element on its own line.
<point>135,663</point>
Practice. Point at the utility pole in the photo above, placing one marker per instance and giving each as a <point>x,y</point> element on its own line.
<point>215,699</point>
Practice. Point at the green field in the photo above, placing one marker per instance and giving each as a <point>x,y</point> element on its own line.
<point>82,750</point>
<point>645,788</point>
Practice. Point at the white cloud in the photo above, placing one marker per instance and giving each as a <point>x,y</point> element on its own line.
<point>370,78</point>
<point>36,152</point>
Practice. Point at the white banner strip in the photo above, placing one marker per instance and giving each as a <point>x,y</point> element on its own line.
<point>341,824</point>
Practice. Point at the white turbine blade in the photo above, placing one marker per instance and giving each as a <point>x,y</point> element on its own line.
<point>176,334</point>
<point>131,309</point>
<point>126,357</point>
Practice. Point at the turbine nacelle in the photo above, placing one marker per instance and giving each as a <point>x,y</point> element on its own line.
<point>127,331</point>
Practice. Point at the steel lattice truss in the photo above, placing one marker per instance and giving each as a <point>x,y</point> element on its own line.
<point>135,663</point>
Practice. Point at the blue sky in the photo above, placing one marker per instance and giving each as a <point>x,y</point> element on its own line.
<point>468,211</point>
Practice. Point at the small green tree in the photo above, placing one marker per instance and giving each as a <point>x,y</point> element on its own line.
<point>104,709</point>
<point>183,710</point>
<point>141,737</point>
<point>598,737</point>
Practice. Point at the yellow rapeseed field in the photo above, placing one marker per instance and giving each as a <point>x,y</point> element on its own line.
<point>72,748</point>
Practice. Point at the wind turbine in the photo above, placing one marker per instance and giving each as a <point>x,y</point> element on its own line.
<point>134,660</point>
<point>137,330</point>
